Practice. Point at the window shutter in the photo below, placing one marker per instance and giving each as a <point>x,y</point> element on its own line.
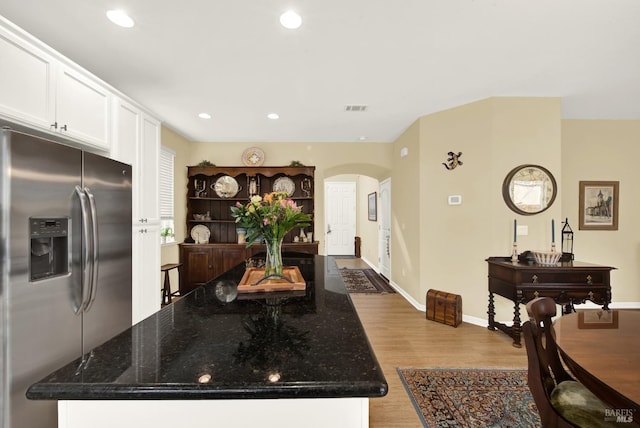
<point>167,157</point>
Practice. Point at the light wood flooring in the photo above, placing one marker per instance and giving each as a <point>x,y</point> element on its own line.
<point>401,336</point>
<point>352,263</point>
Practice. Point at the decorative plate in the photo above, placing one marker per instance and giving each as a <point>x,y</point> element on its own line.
<point>253,157</point>
<point>200,234</point>
<point>226,186</point>
<point>284,184</point>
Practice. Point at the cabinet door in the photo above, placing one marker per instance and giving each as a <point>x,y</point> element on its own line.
<point>226,257</point>
<point>146,206</point>
<point>82,108</point>
<point>126,131</point>
<point>26,82</point>
<point>146,271</point>
<point>198,268</point>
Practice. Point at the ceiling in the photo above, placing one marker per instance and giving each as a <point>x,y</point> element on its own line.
<point>402,59</point>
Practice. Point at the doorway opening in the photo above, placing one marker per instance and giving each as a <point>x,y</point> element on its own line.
<point>340,218</point>
<point>351,224</point>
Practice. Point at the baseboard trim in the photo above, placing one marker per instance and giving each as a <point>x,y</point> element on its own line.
<point>482,322</point>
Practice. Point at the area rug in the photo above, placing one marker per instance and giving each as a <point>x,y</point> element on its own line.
<point>471,398</point>
<point>365,281</point>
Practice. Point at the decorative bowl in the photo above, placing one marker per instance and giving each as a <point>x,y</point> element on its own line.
<point>546,258</point>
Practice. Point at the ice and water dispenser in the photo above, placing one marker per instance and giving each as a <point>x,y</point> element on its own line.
<point>49,243</point>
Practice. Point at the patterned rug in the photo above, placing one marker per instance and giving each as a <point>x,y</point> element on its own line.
<point>365,281</point>
<point>471,398</point>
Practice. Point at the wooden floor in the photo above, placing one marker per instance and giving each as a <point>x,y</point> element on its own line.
<point>401,336</point>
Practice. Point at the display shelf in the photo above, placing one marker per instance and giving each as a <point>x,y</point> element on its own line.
<point>204,261</point>
<point>205,184</point>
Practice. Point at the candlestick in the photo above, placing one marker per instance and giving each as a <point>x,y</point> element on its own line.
<point>553,231</point>
<point>514,253</point>
<point>515,227</point>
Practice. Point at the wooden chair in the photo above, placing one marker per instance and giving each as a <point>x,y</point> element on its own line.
<point>561,400</point>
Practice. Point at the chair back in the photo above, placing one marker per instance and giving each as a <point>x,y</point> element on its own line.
<point>545,369</point>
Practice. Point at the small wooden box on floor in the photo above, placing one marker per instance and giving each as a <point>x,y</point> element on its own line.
<point>443,307</point>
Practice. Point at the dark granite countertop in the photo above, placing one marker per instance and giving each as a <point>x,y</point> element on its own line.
<point>214,344</point>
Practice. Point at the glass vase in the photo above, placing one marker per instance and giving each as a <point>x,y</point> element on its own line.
<point>273,262</point>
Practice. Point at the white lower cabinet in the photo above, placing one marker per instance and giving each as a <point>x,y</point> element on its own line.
<point>137,142</point>
<point>146,271</point>
<point>350,412</point>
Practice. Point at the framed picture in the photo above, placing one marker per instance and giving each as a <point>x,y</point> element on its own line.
<point>373,206</point>
<point>598,205</point>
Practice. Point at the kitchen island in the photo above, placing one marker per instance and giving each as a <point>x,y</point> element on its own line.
<point>219,358</point>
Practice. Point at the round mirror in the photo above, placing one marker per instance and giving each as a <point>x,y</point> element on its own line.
<point>529,189</point>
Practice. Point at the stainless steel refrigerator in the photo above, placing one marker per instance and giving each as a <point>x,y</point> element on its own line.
<point>65,288</point>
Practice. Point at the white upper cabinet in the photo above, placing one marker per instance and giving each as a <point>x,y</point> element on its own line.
<point>148,162</point>
<point>27,78</point>
<point>137,142</point>
<point>82,108</point>
<point>127,120</point>
<point>48,92</point>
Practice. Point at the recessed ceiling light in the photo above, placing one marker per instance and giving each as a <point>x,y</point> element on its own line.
<point>204,116</point>
<point>362,138</point>
<point>120,17</point>
<point>273,116</point>
<point>290,20</point>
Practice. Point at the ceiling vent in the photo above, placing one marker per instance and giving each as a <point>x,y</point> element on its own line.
<point>355,107</point>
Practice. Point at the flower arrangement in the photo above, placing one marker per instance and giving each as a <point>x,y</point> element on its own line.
<point>269,219</point>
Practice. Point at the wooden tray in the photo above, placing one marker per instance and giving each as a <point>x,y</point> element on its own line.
<point>253,275</point>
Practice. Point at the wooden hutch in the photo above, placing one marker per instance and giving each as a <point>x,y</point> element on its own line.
<point>210,195</point>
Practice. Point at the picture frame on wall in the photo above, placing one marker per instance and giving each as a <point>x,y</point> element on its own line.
<point>598,203</point>
<point>373,206</point>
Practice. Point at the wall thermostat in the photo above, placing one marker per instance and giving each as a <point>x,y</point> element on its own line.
<point>455,199</point>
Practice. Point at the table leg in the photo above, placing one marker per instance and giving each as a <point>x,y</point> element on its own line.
<point>568,308</point>
<point>516,329</point>
<point>492,313</point>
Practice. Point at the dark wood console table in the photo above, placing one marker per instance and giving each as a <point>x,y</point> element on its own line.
<point>567,283</point>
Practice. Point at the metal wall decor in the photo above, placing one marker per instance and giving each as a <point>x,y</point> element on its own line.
<point>453,161</point>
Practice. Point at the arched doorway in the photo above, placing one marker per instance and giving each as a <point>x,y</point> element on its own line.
<point>367,180</point>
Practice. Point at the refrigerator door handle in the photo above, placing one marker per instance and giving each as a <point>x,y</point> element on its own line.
<point>86,254</point>
<point>94,248</point>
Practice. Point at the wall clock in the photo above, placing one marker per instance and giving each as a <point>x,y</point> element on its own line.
<point>529,189</point>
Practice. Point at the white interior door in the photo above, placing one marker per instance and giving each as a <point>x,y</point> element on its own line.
<point>384,229</point>
<point>340,217</point>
